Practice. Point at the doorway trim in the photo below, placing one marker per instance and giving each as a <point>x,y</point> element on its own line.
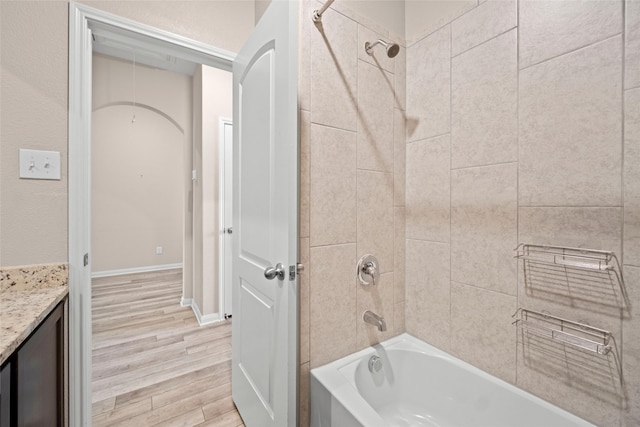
<point>82,19</point>
<point>226,179</point>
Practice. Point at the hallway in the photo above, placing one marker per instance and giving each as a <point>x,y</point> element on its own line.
<point>152,364</point>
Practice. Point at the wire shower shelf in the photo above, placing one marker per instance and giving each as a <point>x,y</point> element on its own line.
<point>565,331</point>
<point>579,274</point>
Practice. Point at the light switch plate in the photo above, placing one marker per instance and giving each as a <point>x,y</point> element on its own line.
<point>38,164</point>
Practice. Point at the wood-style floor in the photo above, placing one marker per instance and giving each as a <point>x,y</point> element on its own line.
<point>153,365</point>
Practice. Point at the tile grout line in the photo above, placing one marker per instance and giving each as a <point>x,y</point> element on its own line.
<point>429,138</point>
<point>622,121</point>
<point>328,245</point>
<point>358,125</point>
<point>484,166</point>
<point>393,198</point>
<point>482,288</point>
<point>483,42</point>
<point>332,127</point>
<point>450,181</point>
<point>622,170</point>
<point>435,242</point>
<point>569,52</point>
<point>558,206</point>
<point>518,6</point>
<point>420,37</point>
<point>309,38</point>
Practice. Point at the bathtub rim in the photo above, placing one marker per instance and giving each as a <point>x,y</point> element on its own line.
<point>342,388</point>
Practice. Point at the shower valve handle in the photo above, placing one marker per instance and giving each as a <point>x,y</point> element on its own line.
<point>368,270</point>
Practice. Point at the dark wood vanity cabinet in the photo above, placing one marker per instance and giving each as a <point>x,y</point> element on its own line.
<point>5,395</point>
<point>32,379</point>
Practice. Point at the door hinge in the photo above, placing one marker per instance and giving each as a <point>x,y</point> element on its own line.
<point>86,259</point>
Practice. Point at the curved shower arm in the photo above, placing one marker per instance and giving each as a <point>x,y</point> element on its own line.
<point>317,14</point>
<point>368,47</point>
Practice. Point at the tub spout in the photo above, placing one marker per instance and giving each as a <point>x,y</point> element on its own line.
<point>375,320</point>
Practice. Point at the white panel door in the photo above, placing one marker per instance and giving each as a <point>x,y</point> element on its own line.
<point>265,218</point>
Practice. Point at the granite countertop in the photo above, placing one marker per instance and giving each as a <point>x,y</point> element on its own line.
<point>27,295</point>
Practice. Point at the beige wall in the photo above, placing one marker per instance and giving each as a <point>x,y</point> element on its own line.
<point>351,204</point>
<point>138,170</point>
<point>386,14</point>
<point>389,14</point>
<point>515,134</point>
<point>424,16</point>
<point>261,7</point>
<point>33,214</point>
<point>225,24</point>
<point>196,188</point>
<point>213,100</point>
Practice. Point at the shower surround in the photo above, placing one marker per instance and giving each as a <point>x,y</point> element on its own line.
<point>520,122</point>
<point>351,185</point>
<point>515,115</point>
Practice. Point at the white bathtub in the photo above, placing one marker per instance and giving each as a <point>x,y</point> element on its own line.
<point>420,385</point>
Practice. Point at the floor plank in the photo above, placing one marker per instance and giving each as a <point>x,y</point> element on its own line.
<point>153,365</point>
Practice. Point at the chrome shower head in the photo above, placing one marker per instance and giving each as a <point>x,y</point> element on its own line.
<point>391,48</point>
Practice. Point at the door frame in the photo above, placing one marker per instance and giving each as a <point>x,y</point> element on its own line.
<point>81,19</point>
<point>224,255</point>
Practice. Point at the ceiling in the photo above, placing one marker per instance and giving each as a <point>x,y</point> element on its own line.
<point>150,51</point>
<point>154,59</point>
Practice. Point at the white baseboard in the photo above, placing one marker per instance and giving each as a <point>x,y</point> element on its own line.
<point>148,269</point>
<point>184,302</point>
<point>206,319</point>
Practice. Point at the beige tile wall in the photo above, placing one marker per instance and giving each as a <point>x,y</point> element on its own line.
<point>631,242</point>
<point>632,44</point>
<point>631,239</point>
<point>523,125</point>
<point>632,177</point>
<point>428,192</point>
<point>570,128</point>
<point>481,331</point>
<point>429,100</point>
<point>484,98</point>
<point>428,310</point>
<point>483,226</point>
<point>482,23</point>
<point>550,28</point>
<point>352,166</point>
<point>513,122</point>
<point>631,360</point>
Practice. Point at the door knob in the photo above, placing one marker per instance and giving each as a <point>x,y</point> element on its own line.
<point>272,272</point>
<point>228,230</point>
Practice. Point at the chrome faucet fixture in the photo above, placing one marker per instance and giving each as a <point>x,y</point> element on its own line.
<point>317,14</point>
<point>391,48</point>
<point>373,319</point>
<point>368,270</point>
